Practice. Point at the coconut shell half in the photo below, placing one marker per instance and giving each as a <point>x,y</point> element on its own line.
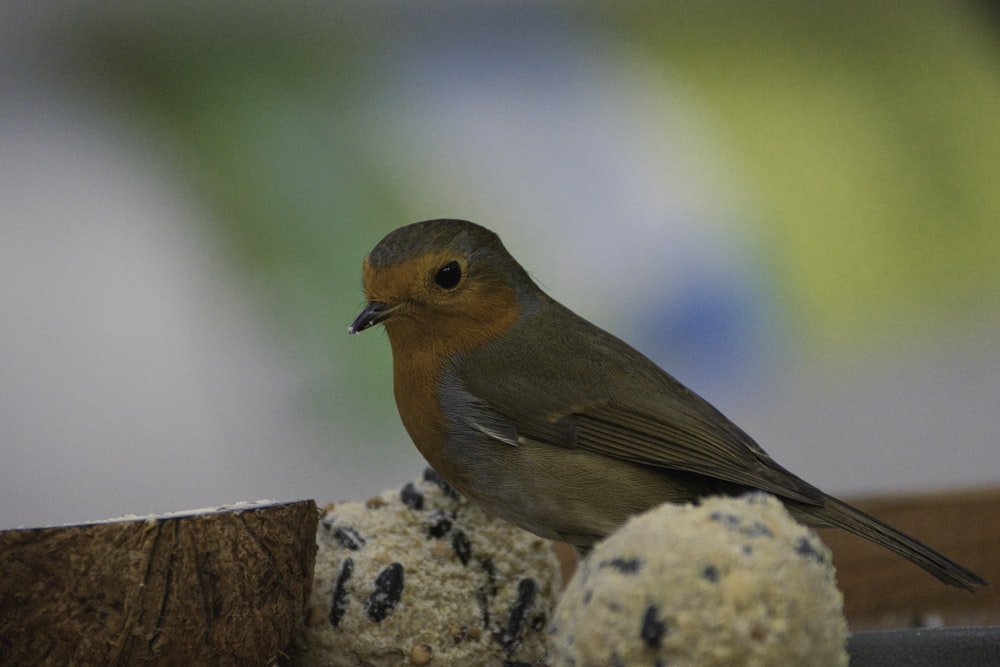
<point>223,586</point>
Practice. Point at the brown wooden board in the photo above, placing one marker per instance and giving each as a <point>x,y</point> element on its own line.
<point>211,587</point>
<point>882,590</point>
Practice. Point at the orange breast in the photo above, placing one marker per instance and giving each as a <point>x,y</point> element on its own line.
<point>423,337</point>
<point>415,382</point>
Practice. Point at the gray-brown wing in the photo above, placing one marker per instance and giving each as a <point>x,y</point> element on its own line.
<point>618,404</point>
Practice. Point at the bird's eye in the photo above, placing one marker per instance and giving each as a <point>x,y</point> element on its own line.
<point>448,275</point>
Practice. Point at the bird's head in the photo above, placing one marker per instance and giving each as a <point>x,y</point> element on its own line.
<point>449,285</point>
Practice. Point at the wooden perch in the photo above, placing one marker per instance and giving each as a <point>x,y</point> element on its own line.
<point>882,590</point>
<point>211,587</point>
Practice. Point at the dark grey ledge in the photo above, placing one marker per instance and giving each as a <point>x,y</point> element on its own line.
<point>926,647</point>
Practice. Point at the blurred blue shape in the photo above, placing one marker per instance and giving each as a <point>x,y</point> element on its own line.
<point>713,330</point>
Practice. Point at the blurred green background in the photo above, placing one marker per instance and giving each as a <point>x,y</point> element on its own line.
<point>792,207</point>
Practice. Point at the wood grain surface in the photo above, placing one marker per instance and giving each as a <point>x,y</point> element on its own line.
<point>882,590</point>
<point>217,587</point>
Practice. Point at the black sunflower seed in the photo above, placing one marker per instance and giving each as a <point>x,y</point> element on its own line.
<point>388,591</point>
<point>411,496</point>
<point>338,605</point>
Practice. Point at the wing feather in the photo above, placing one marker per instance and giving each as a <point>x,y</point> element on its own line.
<point>594,392</point>
<point>641,438</point>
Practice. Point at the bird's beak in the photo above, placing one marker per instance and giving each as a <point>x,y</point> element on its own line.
<point>374,313</point>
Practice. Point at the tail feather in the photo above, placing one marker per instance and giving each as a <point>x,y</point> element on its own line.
<point>838,514</point>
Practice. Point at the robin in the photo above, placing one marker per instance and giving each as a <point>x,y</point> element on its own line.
<point>552,423</point>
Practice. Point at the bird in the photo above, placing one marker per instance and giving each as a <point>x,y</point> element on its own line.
<point>548,421</point>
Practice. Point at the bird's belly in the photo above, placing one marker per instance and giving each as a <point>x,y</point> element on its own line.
<point>564,494</point>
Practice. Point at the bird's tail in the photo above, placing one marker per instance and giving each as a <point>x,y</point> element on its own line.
<point>838,514</point>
